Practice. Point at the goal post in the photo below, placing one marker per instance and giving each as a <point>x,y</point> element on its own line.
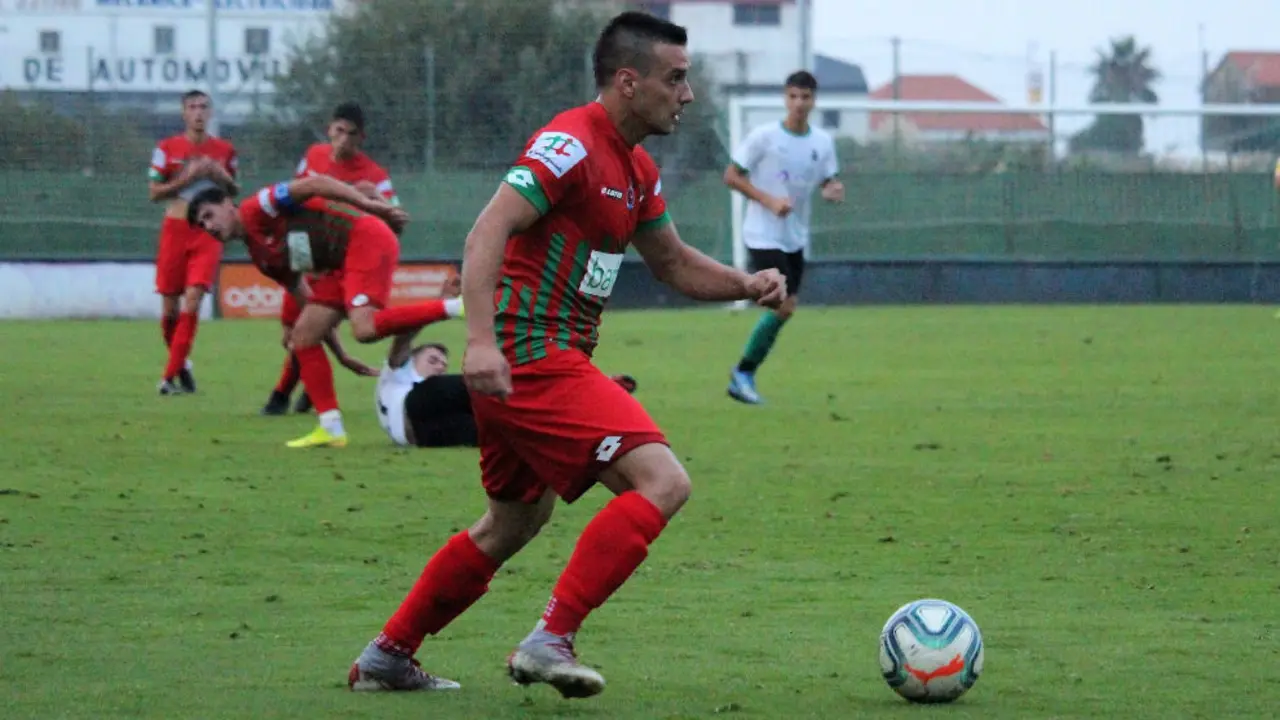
<point>983,179</point>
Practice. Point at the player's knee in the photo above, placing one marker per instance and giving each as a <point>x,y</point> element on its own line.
<point>363,329</point>
<point>788,308</point>
<point>654,472</point>
<point>191,299</point>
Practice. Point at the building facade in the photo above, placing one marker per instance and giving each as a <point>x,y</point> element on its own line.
<point>144,53</point>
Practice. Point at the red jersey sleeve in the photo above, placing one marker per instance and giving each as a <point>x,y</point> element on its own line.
<point>159,171</point>
<point>653,207</point>
<point>550,169</point>
<point>233,161</point>
<point>381,180</point>
<point>307,165</point>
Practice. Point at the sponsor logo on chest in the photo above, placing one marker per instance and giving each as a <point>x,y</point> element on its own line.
<point>601,275</point>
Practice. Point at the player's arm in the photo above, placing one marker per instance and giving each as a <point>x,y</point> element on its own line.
<point>737,175</point>
<point>832,188</point>
<point>508,213</point>
<point>695,275</point>
<point>162,187</point>
<point>299,191</point>
<point>401,346</point>
<point>347,361</point>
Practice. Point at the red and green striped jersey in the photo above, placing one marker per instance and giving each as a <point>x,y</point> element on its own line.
<point>286,238</point>
<point>593,192</point>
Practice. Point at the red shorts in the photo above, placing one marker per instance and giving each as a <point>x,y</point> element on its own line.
<point>188,257</point>
<point>326,290</point>
<point>564,423</point>
<point>370,266</point>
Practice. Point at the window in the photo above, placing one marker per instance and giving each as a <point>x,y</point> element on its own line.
<point>163,39</point>
<point>831,119</point>
<point>753,14</point>
<point>656,9</point>
<point>257,41</point>
<point>50,42</point>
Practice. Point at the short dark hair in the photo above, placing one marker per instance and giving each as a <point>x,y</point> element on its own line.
<point>628,40</point>
<point>429,346</point>
<point>352,113</point>
<point>192,95</point>
<point>802,79</point>
<point>213,196</point>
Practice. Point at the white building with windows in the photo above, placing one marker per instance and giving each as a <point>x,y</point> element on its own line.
<point>751,46</point>
<point>144,53</point>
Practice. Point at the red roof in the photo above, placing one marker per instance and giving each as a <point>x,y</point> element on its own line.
<point>1262,68</point>
<point>950,88</point>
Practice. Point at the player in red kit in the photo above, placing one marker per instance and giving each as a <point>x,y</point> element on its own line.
<point>188,258</point>
<point>319,225</point>
<point>538,268</point>
<point>341,159</point>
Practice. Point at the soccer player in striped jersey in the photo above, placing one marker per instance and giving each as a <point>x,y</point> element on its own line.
<point>319,225</point>
<point>341,159</point>
<point>778,166</point>
<point>538,268</point>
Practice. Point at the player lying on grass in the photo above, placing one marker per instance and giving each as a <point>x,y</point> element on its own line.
<point>420,404</point>
<point>341,159</point>
<point>319,225</point>
<point>538,268</point>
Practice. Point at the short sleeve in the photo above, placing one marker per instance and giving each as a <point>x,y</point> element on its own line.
<point>653,206</point>
<point>382,183</point>
<point>301,171</point>
<point>233,162</point>
<point>549,170</point>
<point>749,152</point>
<point>159,171</point>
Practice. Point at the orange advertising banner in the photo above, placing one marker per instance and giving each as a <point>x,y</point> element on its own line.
<point>243,292</point>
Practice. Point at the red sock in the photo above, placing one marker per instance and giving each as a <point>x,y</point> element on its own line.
<point>184,336</point>
<point>610,548</point>
<point>455,578</point>
<point>317,377</point>
<point>393,321</point>
<point>289,375</point>
<point>168,323</point>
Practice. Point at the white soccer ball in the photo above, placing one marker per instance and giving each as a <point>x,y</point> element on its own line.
<point>930,651</point>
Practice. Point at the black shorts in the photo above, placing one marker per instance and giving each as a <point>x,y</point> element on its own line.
<point>790,264</point>
<point>439,413</point>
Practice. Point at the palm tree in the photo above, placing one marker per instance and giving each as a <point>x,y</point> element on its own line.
<point>1122,74</point>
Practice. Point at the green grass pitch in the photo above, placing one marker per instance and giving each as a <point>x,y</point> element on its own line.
<point>1098,487</point>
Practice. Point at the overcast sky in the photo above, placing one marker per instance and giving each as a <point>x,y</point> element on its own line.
<point>992,42</point>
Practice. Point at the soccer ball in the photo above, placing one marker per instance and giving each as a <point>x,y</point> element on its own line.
<point>930,651</point>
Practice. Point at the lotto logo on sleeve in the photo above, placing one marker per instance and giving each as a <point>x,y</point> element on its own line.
<point>243,292</point>
<point>558,151</point>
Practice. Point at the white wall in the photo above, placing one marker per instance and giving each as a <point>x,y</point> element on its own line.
<point>109,45</point>
<point>740,54</point>
<point>852,123</point>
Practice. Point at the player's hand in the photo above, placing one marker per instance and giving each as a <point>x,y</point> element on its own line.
<point>485,370</point>
<point>768,288</point>
<point>452,287</point>
<point>779,206</point>
<point>394,217</point>
<point>357,367</point>
<point>833,191</point>
<point>368,189</point>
